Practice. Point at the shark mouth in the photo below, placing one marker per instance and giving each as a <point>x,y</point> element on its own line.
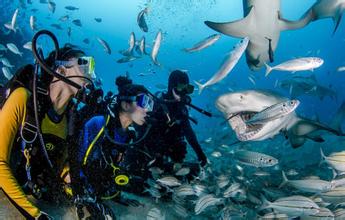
<point>244,132</point>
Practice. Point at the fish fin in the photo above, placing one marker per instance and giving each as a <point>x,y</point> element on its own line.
<point>323,157</point>
<point>240,28</point>
<point>292,25</point>
<point>337,20</point>
<point>316,138</point>
<point>200,86</point>
<point>285,180</point>
<point>265,203</point>
<point>268,69</point>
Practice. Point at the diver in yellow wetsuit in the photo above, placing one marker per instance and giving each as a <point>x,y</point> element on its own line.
<point>73,65</point>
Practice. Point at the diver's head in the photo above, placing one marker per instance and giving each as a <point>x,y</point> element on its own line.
<point>73,64</point>
<point>178,85</point>
<point>133,101</point>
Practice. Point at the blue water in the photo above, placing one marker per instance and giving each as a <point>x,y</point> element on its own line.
<point>182,24</point>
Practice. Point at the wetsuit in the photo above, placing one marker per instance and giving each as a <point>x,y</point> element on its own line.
<point>101,160</point>
<point>12,117</point>
<point>172,128</point>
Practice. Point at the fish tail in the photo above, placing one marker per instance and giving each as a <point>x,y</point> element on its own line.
<point>285,180</point>
<point>265,203</point>
<point>323,157</point>
<point>201,86</point>
<point>268,69</point>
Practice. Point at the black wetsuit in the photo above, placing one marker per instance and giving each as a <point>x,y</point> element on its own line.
<point>170,131</point>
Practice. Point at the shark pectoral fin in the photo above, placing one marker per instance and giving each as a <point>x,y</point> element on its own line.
<point>292,25</point>
<point>240,28</point>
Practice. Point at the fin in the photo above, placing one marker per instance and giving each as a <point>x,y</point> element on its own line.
<point>265,203</point>
<point>268,69</point>
<point>337,20</point>
<point>292,25</point>
<point>285,180</point>
<point>323,157</point>
<point>296,141</point>
<point>201,86</point>
<point>240,28</point>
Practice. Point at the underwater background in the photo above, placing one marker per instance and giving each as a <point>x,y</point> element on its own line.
<point>182,25</point>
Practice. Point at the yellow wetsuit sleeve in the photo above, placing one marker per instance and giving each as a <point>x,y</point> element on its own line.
<point>11,117</point>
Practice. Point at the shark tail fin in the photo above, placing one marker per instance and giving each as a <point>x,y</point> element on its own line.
<point>285,180</point>
<point>201,86</point>
<point>268,69</point>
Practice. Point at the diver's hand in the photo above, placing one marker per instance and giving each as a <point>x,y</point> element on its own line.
<point>44,216</point>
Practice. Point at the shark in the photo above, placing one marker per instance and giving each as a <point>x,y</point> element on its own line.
<point>239,107</point>
<point>262,23</point>
<point>327,9</point>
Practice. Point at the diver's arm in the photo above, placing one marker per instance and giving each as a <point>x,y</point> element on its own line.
<point>11,116</point>
<point>193,141</point>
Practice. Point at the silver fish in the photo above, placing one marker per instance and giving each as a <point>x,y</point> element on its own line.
<point>230,61</point>
<point>51,6</point>
<point>28,45</point>
<point>33,23</point>
<point>3,48</point>
<point>323,214</point>
<point>207,42</point>
<point>180,211</point>
<point>7,73</point>
<point>216,154</point>
<point>105,45</point>
<point>155,214</point>
<point>184,190</point>
<point>199,189</point>
<point>7,63</point>
<point>274,216</point>
<point>12,26</point>
<point>232,190</point>
<point>206,201</point>
<point>14,49</point>
<point>131,42</point>
<point>255,159</point>
<point>336,195</point>
<point>335,160</point>
<point>155,48</point>
<point>169,181</point>
<point>339,214</point>
<point>301,64</point>
<point>64,18</point>
<point>142,46</point>
<point>141,20</point>
<point>293,206</point>
<point>274,112</point>
<point>308,185</point>
<point>341,69</point>
<point>183,171</point>
<point>222,181</point>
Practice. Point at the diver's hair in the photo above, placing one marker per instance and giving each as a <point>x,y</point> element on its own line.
<point>65,53</point>
<point>126,87</point>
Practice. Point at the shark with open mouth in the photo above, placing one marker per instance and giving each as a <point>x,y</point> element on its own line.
<point>239,107</point>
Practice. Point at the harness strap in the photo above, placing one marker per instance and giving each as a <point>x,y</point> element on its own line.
<point>89,149</point>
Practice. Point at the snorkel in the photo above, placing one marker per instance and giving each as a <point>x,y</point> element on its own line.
<point>40,63</point>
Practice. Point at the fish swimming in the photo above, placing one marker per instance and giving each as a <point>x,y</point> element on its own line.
<point>227,66</point>
<point>71,8</point>
<point>14,49</point>
<point>12,26</point>
<point>204,202</point>
<point>207,42</point>
<point>238,107</point>
<point>51,6</point>
<point>142,46</point>
<point>262,20</point>
<point>99,20</point>
<point>131,42</point>
<point>127,59</point>
<point>341,69</point>
<point>255,159</point>
<point>7,73</point>
<point>33,22</point>
<point>141,20</point>
<point>105,45</point>
<point>273,112</point>
<point>28,45</point>
<point>77,22</point>
<point>155,48</point>
<point>300,64</point>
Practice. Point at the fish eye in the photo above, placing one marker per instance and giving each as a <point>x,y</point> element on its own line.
<point>269,160</point>
<point>284,105</point>
<point>292,102</point>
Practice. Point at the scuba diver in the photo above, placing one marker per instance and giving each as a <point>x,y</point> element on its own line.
<point>167,137</point>
<point>105,143</point>
<point>32,113</point>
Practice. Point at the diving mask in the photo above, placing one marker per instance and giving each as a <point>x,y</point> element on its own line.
<point>183,89</point>
<point>142,100</point>
<point>86,62</point>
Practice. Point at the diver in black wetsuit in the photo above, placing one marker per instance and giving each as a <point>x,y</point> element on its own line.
<point>172,128</point>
